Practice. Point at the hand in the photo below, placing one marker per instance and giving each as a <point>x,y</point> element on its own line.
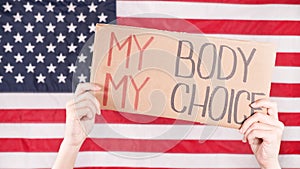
<point>263,132</point>
<point>80,120</point>
<point>80,113</point>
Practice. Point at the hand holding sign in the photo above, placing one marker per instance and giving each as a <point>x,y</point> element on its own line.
<point>263,132</point>
<point>207,80</point>
<point>80,114</point>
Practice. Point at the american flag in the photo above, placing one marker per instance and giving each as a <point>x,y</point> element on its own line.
<point>41,58</point>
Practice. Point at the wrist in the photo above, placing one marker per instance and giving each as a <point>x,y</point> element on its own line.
<point>67,145</point>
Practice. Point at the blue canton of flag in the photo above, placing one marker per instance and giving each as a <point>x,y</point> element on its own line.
<point>41,42</point>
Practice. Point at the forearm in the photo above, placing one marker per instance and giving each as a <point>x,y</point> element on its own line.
<point>66,156</point>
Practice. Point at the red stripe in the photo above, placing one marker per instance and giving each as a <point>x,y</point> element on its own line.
<point>134,145</point>
<point>290,119</point>
<point>58,116</point>
<point>256,27</point>
<point>33,116</point>
<point>285,90</point>
<point>237,1</point>
<point>288,59</point>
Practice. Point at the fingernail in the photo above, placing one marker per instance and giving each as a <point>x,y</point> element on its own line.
<point>97,87</point>
<point>244,140</point>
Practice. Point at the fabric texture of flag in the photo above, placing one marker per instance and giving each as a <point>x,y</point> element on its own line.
<point>41,60</point>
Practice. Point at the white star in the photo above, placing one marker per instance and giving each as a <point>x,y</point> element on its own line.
<point>51,68</point>
<point>81,38</point>
<point>92,27</point>
<point>28,7</point>
<point>82,78</point>
<point>71,28</point>
<point>19,78</point>
<point>8,68</point>
<point>72,68</point>
<point>50,7</point>
<point>29,48</point>
<point>60,58</point>
<point>102,0</point>
<point>8,47</point>
<point>18,17</point>
<point>29,27</point>
<point>51,48</point>
<point>92,7</point>
<point>60,38</point>
<point>102,17</point>
<point>80,0</point>
<point>81,18</point>
<point>40,78</point>
<point>60,17</point>
<point>50,27</point>
<point>82,58</point>
<point>39,18</point>
<point>72,48</point>
<point>19,58</point>
<point>71,7</point>
<point>1,58</point>
<point>40,58</point>
<point>91,48</point>
<point>7,7</point>
<point>7,27</point>
<point>18,38</point>
<point>61,78</point>
<point>30,68</point>
<point>1,77</point>
<point>39,38</point>
<point>59,0</point>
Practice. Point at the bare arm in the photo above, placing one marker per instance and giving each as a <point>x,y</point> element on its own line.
<point>80,120</point>
<point>263,132</point>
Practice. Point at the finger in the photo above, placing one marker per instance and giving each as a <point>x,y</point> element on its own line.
<point>70,103</point>
<point>258,117</point>
<point>87,124</point>
<point>86,104</point>
<point>70,108</point>
<point>258,126</point>
<point>83,87</point>
<point>265,135</point>
<point>89,96</point>
<point>270,106</point>
<point>85,113</point>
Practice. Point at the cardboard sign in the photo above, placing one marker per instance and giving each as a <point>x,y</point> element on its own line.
<point>180,75</point>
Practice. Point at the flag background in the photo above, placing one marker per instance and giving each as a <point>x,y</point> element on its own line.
<point>32,113</point>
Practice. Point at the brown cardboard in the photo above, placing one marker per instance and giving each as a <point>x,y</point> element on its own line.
<point>180,75</point>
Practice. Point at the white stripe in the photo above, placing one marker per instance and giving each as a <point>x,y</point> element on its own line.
<point>58,101</point>
<point>284,74</point>
<point>190,10</point>
<point>283,43</point>
<point>135,131</point>
<point>289,105</point>
<point>34,100</point>
<point>154,160</point>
